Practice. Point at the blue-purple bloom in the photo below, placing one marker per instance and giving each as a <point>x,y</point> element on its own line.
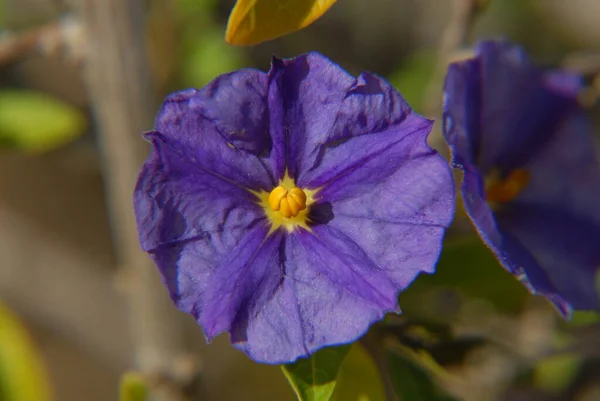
<point>366,200</point>
<point>531,171</point>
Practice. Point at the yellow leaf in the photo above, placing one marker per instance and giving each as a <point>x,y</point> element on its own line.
<point>255,21</point>
<point>22,373</point>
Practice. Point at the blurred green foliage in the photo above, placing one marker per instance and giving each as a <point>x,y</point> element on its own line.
<point>204,53</point>
<point>556,372</point>
<point>133,387</point>
<point>467,268</point>
<point>22,374</point>
<point>35,122</point>
<point>411,381</point>
<point>358,378</point>
<point>314,378</point>
<point>413,78</point>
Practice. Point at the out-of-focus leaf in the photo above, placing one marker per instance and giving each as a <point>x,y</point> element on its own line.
<point>583,318</point>
<point>314,378</point>
<point>359,379</point>
<point>598,281</point>
<point>133,387</point>
<point>194,7</point>
<point>36,122</point>
<point>208,57</point>
<point>557,372</point>
<point>413,78</point>
<point>411,380</point>
<point>255,21</point>
<point>22,374</point>
<point>470,269</point>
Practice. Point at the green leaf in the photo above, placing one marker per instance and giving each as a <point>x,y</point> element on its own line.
<point>358,379</point>
<point>36,122</point>
<point>412,381</point>
<point>255,21</point>
<point>22,373</point>
<point>468,268</point>
<point>133,387</point>
<point>314,378</point>
<point>556,372</point>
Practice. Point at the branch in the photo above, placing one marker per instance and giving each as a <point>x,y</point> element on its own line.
<point>47,39</point>
<point>119,83</point>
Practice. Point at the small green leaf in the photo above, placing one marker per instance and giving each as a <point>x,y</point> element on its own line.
<point>314,378</point>
<point>255,21</point>
<point>412,381</point>
<point>36,122</point>
<point>133,387</point>
<point>555,373</point>
<point>22,373</point>
<point>359,378</point>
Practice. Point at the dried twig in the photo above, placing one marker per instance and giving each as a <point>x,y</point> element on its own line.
<point>120,87</point>
<point>63,35</point>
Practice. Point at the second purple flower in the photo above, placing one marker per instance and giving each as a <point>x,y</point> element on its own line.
<point>531,170</point>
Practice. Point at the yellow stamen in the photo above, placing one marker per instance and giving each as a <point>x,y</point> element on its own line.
<point>288,202</point>
<point>502,190</point>
<point>287,206</point>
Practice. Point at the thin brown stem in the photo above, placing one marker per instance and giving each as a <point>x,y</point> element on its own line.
<point>120,87</point>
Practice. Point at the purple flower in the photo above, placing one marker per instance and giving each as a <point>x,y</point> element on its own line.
<point>531,175</point>
<point>289,208</point>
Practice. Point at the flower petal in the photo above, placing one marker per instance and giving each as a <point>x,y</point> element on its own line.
<point>177,201</point>
<point>565,175</point>
<point>391,177</point>
<point>305,94</point>
<point>512,254</point>
<point>319,106</point>
<point>566,247</point>
<point>499,107</point>
<point>223,127</point>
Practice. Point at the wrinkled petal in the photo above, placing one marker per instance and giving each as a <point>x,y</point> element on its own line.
<point>565,246</point>
<point>305,94</point>
<point>511,253</point>
<point>223,127</point>
<point>176,200</point>
<point>500,108</point>
<point>564,173</point>
<point>500,111</point>
<point>392,177</point>
<point>320,106</point>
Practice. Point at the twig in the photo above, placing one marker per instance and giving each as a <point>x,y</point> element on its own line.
<point>120,87</point>
<point>63,35</point>
<point>13,47</point>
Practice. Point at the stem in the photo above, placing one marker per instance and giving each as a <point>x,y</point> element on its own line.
<point>120,87</point>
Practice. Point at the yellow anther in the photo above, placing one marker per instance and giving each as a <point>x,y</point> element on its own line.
<point>288,202</point>
<point>504,190</point>
<point>276,196</point>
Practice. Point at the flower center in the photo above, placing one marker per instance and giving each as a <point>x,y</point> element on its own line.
<point>287,206</point>
<point>502,190</point>
<point>288,202</point>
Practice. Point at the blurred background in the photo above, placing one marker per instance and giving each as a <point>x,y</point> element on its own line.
<point>81,79</point>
